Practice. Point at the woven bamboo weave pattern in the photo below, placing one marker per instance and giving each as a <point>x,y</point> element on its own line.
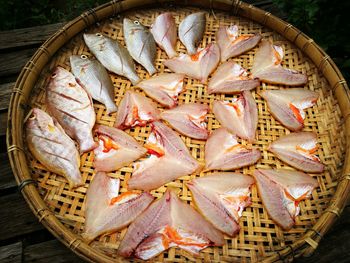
<point>259,236</point>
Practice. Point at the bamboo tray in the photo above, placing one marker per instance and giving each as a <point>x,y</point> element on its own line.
<point>62,211</point>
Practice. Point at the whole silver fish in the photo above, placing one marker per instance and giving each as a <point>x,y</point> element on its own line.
<point>112,55</point>
<point>53,148</point>
<point>191,31</point>
<point>72,106</point>
<point>140,43</point>
<point>95,79</point>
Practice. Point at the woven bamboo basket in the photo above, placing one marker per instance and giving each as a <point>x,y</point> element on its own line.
<point>61,210</point>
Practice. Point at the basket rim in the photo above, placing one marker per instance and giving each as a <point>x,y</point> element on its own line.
<point>31,71</point>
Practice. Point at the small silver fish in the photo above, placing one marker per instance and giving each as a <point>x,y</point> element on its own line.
<point>53,148</point>
<point>140,43</point>
<point>72,106</point>
<point>95,79</point>
<point>191,31</point>
<point>112,55</point>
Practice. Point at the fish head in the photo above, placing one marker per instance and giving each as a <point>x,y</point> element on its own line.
<point>95,41</point>
<point>79,61</point>
<point>38,119</point>
<point>130,26</point>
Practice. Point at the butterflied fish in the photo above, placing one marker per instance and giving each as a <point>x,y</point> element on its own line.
<point>198,66</point>
<point>106,211</point>
<point>191,31</point>
<point>223,152</point>
<point>221,198</point>
<point>298,150</point>
<point>116,149</point>
<point>288,105</point>
<point>188,119</point>
<point>231,44</point>
<point>164,32</point>
<point>72,106</point>
<point>140,43</point>
<point>231,78</point>
<point>267,66</point>
<point>281,191</point>
<point>112,55</point>
<point>169,159</point>
<point>239,116</point>
<point>168,222</point>
<point>135,109</point>
<point>164,88</point>
<point>95,79</point>
<point>48,142</point>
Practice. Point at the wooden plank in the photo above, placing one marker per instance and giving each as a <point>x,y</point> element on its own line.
<point>49,251</point>
<point>27,36</point>
<point>3,123</point>
<point>16,216</point>
<point>7,180</point>
<point>12,62</point>
<point>5,95</point>
<point>11,253</point>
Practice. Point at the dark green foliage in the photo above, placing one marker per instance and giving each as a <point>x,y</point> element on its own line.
<point>327,22</point>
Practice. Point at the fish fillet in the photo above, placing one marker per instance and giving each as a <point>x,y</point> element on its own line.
<point>163,225</point>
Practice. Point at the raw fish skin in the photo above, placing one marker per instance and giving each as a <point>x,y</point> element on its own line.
<point>221,198</point>
<point>106,211</point>
<point>116,149</point>
<point>135,110</point>
<point>140,44</point>
<point>91,75</point>
<point>281,191</point>
<point>198,66</point>
<point>163,225</point>
<point>54,149</point>
<point>267,66</point>
<point>231,44</point>
<point>164,88</point>
<point>298,150</point>
<point>191,31</point>
<point>223,152</point>
<point>112,55</point>
<point>188,119</point>
<point>239,116</point>
<point>169,159</point>
<point>164,32</point>
<point>288,105</point>
<point>72,106</point>
<point>231,78</point>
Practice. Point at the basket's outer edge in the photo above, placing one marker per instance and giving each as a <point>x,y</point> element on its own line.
<point>30,73</point>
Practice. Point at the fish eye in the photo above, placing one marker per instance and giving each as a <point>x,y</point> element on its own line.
<point>83,56</point>
<point>99,34</point>
<point>32,117</point>
<point>136,22</point>
<point>54,75</point>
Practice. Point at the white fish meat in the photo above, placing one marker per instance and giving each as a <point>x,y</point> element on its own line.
<point>164,32</point>
<point>298,150</point>
<point>198,66</point>
<point>239,116</point>
<point>106,211</point>
<point>95,79</point>
<point>168,222</point>
<point>140,44</point>
<point>54,149</point>
<point>135,110</point>
<point>267,66</point>
<point>169,159</point>
<point>116,149</point>
<point>221,199</point>
<point>164,88</point>
<point>191,31</point>
<point>223,152</point>
<point>231,78</point>
<point>72,106</point>
<point>232,44</point>
<point>288,105</point>
<point>112,55</point>
<point>281,191</point>
<point>188,119</point>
